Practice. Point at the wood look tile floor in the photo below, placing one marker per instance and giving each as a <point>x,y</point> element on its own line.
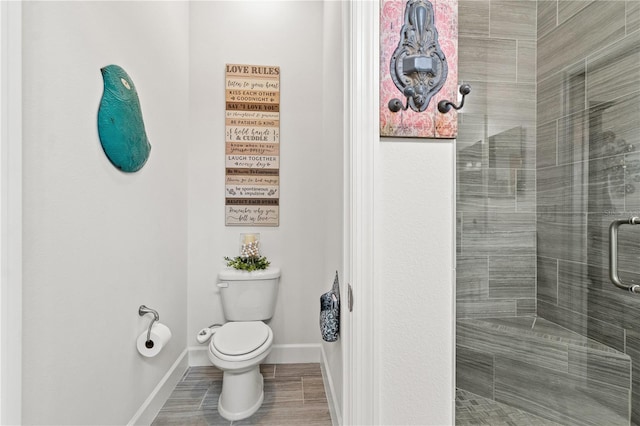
<point>293,395</point>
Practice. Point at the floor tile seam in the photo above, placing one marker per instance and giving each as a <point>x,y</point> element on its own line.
<point>179,406</point>
<point>184,375</point>
<point>200,379</point>
<point>312,369</point>
<point>200,385</point>
<point>200,408</point>
<point>302,386</point>
<point>289,395</point>
<point>320,398</point>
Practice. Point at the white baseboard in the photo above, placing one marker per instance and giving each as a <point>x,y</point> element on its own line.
<point>280,354</point>
<point>152,405</point>
<point>198,356</point>
<point>329,390</point>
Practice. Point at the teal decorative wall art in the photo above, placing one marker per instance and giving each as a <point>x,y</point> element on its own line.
<point>120,124</point>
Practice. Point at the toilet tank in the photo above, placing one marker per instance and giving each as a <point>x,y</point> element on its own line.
<point>249,296</point>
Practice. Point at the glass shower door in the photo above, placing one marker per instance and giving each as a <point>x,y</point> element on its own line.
<point>548,157</point>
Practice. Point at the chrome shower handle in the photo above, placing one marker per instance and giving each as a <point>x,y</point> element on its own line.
<point>613,254</point>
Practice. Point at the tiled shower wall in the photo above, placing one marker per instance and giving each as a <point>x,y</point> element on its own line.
<point>588,169</point>
<point>496,200</point>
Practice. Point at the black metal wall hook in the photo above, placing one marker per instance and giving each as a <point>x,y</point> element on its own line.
<point>444,106</point>
<point>418,66</point>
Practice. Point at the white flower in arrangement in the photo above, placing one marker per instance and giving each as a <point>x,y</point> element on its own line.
<point>251,249</point>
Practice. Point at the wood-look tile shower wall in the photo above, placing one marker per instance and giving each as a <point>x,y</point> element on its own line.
<point>496,160</point>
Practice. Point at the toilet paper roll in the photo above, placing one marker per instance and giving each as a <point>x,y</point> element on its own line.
<point>160,335</point>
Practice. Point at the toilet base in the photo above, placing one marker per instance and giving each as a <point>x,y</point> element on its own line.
<point>242,394</point>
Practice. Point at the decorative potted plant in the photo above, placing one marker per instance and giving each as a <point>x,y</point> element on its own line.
<point>249,259</point>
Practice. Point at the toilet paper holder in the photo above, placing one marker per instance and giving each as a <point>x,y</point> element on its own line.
<point>143,310</point>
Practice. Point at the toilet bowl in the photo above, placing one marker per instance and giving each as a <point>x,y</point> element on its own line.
<point>238,348</point>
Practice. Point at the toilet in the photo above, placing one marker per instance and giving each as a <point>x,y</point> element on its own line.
<point>240,345</point>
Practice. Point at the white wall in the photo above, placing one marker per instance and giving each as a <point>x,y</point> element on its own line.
<point>97,242</point>
<point>415,245</point>
<point>11,212</point>
<point>290,35</point>
<point>333,151</point>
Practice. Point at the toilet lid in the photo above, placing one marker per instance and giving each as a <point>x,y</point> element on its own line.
<point>239,338</point>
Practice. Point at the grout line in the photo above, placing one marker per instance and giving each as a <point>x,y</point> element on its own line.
<point>493,379</point>
<point>202,400</point>
<point>517,51</point>
<point>184,376</point>
<point>461,233</point>
<point>557,130</point>
<point>557,282</point>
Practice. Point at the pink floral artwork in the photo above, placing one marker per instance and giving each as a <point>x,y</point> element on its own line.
<point>408,123</point>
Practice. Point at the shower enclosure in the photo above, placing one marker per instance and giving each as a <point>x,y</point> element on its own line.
<point>548,156</point>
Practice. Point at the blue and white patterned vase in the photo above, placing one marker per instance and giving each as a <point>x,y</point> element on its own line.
<point>329,316</point>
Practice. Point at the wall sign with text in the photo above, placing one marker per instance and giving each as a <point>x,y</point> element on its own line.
<point>252,140</point>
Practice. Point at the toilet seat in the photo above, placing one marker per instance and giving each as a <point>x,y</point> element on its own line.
<point>240,341</point>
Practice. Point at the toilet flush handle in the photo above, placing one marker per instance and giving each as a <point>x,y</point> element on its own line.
<point>223,285</point>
